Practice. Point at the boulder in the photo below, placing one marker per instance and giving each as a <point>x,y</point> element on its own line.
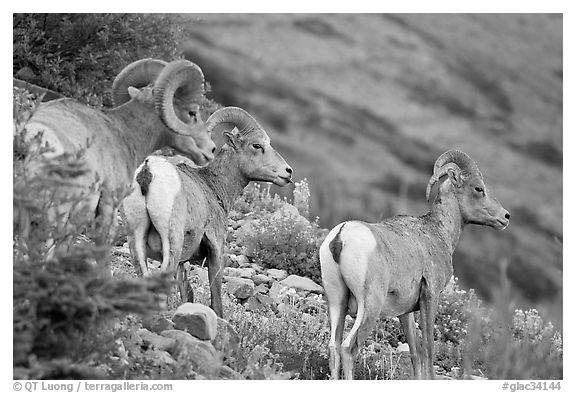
<point>154,340</point>
<point>302,283</point>
<point>241,288</point>
<point>197,319</point>
<point>261,279</point>
<point>259,302</point>
<point>277,274</point>
<point>201,354</point>
<point>262,288</point>
<point>403,347</point>
<point>159,357</point>
<point>242,261</point>
<point>244,272</point>
<point>157,323</point>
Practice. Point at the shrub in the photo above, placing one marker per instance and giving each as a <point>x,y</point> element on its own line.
<point>256,200</point>
<point>65,313</point>
<point>286,243</point>
<point>284,240</point>
<point>455,308</point>
<point>79,55</point>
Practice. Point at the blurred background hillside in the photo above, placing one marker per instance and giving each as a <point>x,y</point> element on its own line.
<point>361,105</point>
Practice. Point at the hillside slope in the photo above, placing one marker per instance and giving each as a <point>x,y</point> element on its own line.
<point>362,105</point>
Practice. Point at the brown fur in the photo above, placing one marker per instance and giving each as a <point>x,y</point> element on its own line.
<point>336,245</point>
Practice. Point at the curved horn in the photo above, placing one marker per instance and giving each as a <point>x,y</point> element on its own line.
<point>452,159</point>
<point>137,74</point>
<point>181,80</point>
<point>238,117</point>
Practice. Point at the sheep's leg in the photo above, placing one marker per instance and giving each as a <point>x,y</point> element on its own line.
<point>368,312</point>
<point>186,293</point>
<point>137,244</point>
<point>135,215</point>
<point>409,328</point>
<point>428,303</point>
<point>337,307</point>
<point>215,272</point>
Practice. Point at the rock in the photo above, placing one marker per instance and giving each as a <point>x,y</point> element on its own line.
<point>259,302</point>
<point>154,340</point>
<point>302,283</point>
<point>257,268</point>
<point>226,372</point>
<point>201,354</point>
<point>277,274</point>
<point>262,288</point>
<point>157,323</point>
<point>228,261</point>
<point>403,347</point>
<point>244,272</point>
<point>159,357</point>
<point>241,288</point>
<point>274,291</point>
<point>226,340</point>
<point>243,261</point>
<point>197,319</point>
<point>261,279</point>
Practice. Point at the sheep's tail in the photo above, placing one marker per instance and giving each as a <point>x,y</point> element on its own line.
<point>335,245</point>
<point>144,178</point>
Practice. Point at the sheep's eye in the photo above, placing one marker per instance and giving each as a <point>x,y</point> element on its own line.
<point>479,189</point>
<point>257,146</point>
<point>192,115</point>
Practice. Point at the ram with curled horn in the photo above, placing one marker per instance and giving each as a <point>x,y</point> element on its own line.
<point>402,264</point>
<point>176,213</point>
<point>157,105</point>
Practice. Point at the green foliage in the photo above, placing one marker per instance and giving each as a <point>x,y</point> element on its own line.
<point>455,309</point>
<point>65,310</point>
<point>521,346</point>
<point>287,243</point>
<point>256,200</point>
<point>279,237</point>
<point>79,55</point>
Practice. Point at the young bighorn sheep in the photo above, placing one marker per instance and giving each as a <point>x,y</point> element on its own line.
<point>402,264</point>
<point>157,106</point>
<point>176,213</point>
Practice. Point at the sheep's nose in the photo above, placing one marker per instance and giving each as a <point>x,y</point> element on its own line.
<point>289,170</point>
<point>213,149</point>
<point>507,215</point>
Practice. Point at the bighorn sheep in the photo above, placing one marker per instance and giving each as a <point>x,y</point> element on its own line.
<point>177,213</point>
<point>402,264</point>
<point>157,106</point>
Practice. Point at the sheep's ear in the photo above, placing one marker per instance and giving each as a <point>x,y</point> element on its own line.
<point>455,178</point>
<point>232,138</point>
<point>133,92</point>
